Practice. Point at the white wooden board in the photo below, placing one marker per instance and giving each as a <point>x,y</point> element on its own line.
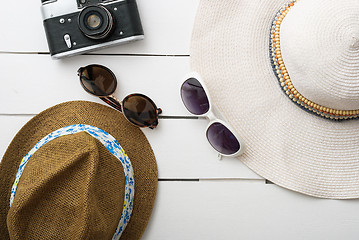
<point>167,25</point>
<point>224,199</point>
<point>37,82</point>
<point>231,210</point>
<point>180,146</point>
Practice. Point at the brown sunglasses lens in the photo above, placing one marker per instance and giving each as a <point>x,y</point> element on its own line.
<point>98,80</point>
<point>140,110</point>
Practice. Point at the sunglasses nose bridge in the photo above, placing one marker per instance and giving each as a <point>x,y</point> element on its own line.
<point>210,116</point>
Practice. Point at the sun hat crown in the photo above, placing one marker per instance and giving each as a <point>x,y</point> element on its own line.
<point>319,48</point>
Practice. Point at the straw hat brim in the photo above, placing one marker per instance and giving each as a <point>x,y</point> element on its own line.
<point>130,138</point>
<point>285,144</point>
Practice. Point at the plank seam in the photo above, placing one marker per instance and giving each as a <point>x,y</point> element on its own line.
<point>33,114</point>
<point>104,54</point>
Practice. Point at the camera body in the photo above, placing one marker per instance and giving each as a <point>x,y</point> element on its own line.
<point>74,27</point>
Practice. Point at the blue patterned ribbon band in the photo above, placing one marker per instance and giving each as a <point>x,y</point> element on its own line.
<point>112,145</point>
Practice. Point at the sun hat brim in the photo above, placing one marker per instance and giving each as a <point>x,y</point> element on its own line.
<point>130,138</point>
<point>285,144</point>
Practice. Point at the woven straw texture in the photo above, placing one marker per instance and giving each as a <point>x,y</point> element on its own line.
<point>324,68</point>
<point>73,187</point>
<point>285,144</point>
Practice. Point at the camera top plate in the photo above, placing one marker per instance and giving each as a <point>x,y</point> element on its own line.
<point>85,3</point>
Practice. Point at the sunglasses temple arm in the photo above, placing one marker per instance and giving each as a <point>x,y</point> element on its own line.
<point>112,102</point>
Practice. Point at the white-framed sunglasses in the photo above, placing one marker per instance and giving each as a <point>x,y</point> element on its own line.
<point>222,137</point>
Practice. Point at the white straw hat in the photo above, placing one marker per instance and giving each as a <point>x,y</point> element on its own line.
<point>285,74</point>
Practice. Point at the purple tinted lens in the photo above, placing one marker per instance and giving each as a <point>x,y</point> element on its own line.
<point>194,97</point>
<point>222,139</point>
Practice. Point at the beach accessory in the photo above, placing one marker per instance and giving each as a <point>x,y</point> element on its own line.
<point>100,81</point>
<point>285,74</point>
<point>73,174</point>
<point>220,135</point>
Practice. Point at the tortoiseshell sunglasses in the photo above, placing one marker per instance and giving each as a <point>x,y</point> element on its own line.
<point>138,109</point>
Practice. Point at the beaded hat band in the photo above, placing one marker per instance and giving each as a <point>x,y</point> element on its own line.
<point>315,58</point>
<point>285,81</point>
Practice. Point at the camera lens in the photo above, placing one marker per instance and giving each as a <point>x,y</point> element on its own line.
<point>95,22</point>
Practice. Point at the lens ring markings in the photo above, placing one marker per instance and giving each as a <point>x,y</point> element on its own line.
<point>102,16</point>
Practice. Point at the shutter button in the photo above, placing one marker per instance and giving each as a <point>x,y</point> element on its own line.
<point>67,40</point>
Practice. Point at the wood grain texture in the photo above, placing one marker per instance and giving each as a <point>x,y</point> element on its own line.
<point>39,82</point>
<point>220,199</point>
<point>252,210</point>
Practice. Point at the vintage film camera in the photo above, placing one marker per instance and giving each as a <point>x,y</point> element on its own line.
<point>77,26</point>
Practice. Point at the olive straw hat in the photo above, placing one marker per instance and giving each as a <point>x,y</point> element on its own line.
<point>285,75</point>
<point>78,182</point>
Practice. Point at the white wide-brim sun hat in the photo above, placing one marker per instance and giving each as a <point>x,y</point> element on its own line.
<point>285,74</point>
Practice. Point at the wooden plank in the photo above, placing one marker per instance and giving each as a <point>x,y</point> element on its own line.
<point>229,210</point>
<point>10,125</point>
<point>167,26</point>
<point>32,83</point>
<point>180,146</point>
<point>183,151</point>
